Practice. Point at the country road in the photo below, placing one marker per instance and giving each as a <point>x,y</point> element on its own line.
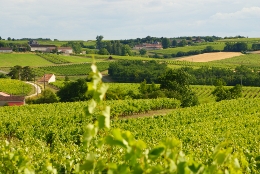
<point>37,89</point>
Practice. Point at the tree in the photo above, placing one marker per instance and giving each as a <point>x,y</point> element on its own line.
<point>47,96</point>
<point>0,38</point>
<point>126,50</point>
<point>174,43</point>
<point>176,85</point>
<point>166,43</point>
<point>182,43</point>
<point>27,73</point>
<point>99,43</point>
<point>73,91</point>
<point>74,45</point>
<point>9,38</point>
<point>142,51</point>
<point>209,49</point>
<point>103,51</point>
<point>226,94</point>
<point>15,72</point>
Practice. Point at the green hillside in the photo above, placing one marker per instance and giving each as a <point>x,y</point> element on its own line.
<point>22,59</point>
<point>15,87</point>
<point>54,131</point>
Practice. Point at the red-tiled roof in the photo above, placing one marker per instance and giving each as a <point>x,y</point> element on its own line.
<point>5,48</point>
<point>65,48</point>
<point>12,98</point>
<point>15,103</point>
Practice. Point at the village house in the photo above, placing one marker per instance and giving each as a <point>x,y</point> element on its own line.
<point>47,78</point>
<point>43,48</point>
<point>147,46</point>
<point>5,50</point>
<point>66,50</point>
<point>12,100</point>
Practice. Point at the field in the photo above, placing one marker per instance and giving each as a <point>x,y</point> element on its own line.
<point>215,45</point>
<point>71,69</point>
<point>53,136</point>
<point>199,128</point>
<point>207,57</point>
<point>15,87</point>
<point>22,59</point>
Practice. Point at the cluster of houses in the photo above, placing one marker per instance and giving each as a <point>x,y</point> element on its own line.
<point>35,46</point>
<point>149,46</point>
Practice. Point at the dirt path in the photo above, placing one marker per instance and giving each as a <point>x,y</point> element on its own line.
<point>207,57</point>
<point>148,114</point>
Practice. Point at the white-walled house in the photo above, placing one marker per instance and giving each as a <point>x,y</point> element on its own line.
<point>5,50</point>
<point>66,50</point>
<point>43,48</point>
<point>47,78</point>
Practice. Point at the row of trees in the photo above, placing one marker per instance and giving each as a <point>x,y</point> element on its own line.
<point>16,46</point>
<point>236,47</point>
<point>21,73</point>
<point>210,75</point>
<point>136,71</point>
<point>112,47</point>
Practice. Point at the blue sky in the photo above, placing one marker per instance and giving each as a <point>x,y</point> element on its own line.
<point>126,19</point>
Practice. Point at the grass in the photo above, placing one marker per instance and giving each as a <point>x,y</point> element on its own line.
<point>250,60</point>
<point>252,40</point>
<point>76,59</point>
<point>22,59</point>
<point>215,45</point>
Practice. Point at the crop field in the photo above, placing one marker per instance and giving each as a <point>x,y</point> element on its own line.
<point>207,57</point>
<point>249,40</point>
<point>71,69</point>
<point>251,60</point>
<point>54,131</point>
<point>216,46</point>
<point>77,59</point>
<point>116,57</point>
<point>22,59</point>
<point>15,87</point>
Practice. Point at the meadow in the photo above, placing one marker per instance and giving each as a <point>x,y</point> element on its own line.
<point>217,46</point>
<point>22,59</point>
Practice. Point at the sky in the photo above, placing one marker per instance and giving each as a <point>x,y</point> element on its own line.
<point>128,19</point>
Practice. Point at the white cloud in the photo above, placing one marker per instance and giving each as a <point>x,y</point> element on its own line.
<point>122,19</point>
<point>245,13</point>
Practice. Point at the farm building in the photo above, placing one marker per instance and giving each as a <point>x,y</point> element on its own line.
<point>5,50</point>
<point>12,100</point>
<point>66,50</point>
<point>154,46</point>
<point>43,48</point>
<point>47,78</point>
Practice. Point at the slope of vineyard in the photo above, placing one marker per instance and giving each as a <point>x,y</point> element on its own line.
<point>54,131</point>
<point>71,69</point>
<point>15,87</point>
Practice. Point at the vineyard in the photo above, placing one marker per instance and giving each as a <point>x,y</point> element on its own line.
<point>53,58</point>
<point>71,69</point>
<point>22,59</point>
<point>15,87</point>
<point>216,46</point>
<point>54,131</point>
